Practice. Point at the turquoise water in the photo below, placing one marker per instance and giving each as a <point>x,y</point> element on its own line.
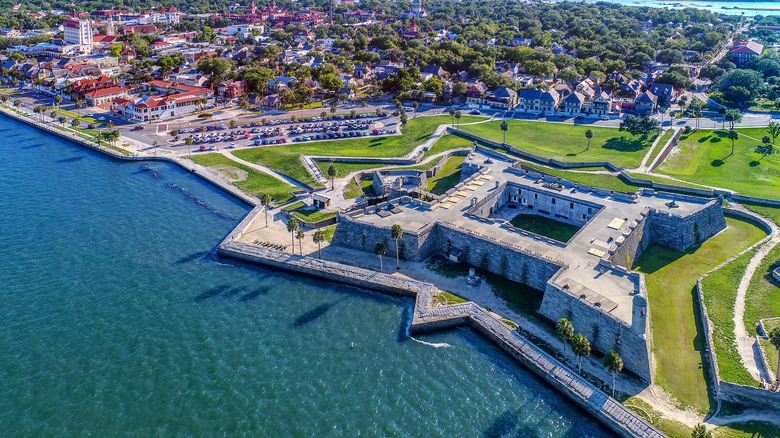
<point>118,318</point>
<point>729,7</point>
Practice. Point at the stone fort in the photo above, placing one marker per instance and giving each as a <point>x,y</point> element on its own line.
<point>586,279</point>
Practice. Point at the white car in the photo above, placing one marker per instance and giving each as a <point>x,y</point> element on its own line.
<point>101,118</point>
<point>90,115</point>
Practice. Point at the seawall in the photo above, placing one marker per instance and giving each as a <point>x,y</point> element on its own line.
<point>608,411</point>
<point>229,188</point>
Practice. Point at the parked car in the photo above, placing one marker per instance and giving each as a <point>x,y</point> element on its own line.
<point>138,128</point>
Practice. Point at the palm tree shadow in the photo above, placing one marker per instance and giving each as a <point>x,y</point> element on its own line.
<point>754,163</point>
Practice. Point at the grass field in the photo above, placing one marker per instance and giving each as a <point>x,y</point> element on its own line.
<point>351,190</point>
<point>660,146</point>
<point>567,142</point>
<point>10,92</point>
<point>448,177</point>
<point>447,142</point>
<point>601,180</point>
<point>703,157</point>
<point>720,293</point>
<point>286,159</point>
<point>313,214</point>
<point>255,184</point>
<point>671,278</point>
<point>543,226</point>
<point>368,189</point>
<point>73,115</point>
<point>345,169</point>
<point>763,295</point>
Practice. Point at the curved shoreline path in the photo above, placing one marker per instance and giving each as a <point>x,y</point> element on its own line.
<point>746,344</point>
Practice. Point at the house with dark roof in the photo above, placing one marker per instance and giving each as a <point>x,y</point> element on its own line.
<point>503,98</point>
<point>536,101</point>
<point>434,70</point>
<point>572,104</point>
<point>646,104</point>
<point>665,93</point>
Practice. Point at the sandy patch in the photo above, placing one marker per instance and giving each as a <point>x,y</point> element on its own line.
<point>230,173</point>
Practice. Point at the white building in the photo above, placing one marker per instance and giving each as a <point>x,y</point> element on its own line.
<point>78,32</point>
<point>242,29</point>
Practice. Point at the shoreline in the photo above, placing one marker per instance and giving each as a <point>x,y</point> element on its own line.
<point>608,411</point>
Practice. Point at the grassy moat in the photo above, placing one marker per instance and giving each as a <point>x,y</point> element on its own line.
<point>544,226</point>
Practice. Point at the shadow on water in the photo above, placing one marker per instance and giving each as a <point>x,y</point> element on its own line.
<point>32,146</point>
<point>404,329</point>
<point>213,292</point>
<point>254,294</point>
<point>232,292</point>
<point>314,314</point>
<point>193,257</point>
<point>70,160</point>
<point>503,425</point>
<point>200,202</point>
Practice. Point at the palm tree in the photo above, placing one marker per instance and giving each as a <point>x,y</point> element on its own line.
<point>380,249</point>
<point>154,144</point>
<point>662,111</point>
<point>588,135</point>
<point>4,98</point>
<point>415,105</point>
<point>62,120</point>
<point>696,110</point>
<point>766,147</point>
<point>318,237</point>
<point>774,339</point>
<point>452,116</point>
<point>581,347</point>
<point>323,114</point>
<point>733,116</point>
<point>700,431</point>
<point>722,112</point>
<point>58,101</point>
<point>774,130</point>
<point>396,232</point>
<point>79,104</point>
<point>75,122</point>
<point>292,227</point>
<point>404,120</point>
<point>110,124</point>
<point>457,117</point>
<point>504,128</point>
<point>614,364</point>
<point>565,331</point>
<point>188,141</point>
<point>299,235</point>
<point>353,114</point>
<point>333,107</point>
<point>733,136</point>
<point>53,115</point>
<point>332,173</point>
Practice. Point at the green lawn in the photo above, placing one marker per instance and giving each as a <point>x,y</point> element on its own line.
<point>448,177</point>
<point>351,190</point>
<point>763,294</point>
<point>368,188</point>
<point>10,92</point>
<point>313,214</point>
<point>703,157</point>
<point>447,142</point>
<point>447,298</point>
<point>567,142</point>
<point>749,429</point>
<point>671,278</point>
<point>286,159</point>
<point>720,293</point>
<point>73,115</point>
<point>543,226</point>
<point>294,205</point>
<point>256,183</point>
<point>345,169</point>
<point>329,231</point>
<point>660,146</point>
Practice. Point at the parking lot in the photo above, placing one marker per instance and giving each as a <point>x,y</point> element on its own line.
<point>273,132</point>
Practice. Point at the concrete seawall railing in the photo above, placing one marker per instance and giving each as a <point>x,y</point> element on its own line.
<point>611,413</point>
